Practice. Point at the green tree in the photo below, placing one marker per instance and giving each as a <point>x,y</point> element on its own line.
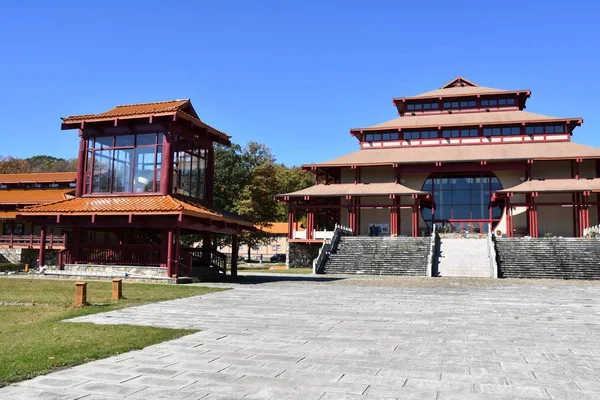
<point>11,165</point>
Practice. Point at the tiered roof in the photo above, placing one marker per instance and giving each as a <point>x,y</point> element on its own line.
<point>38,177</point>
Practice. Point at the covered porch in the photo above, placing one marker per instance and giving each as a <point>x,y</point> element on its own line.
<point>375,209</point>
<point>138,231</point>
<point>556,207</point>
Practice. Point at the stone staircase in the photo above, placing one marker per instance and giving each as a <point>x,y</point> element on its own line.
<point>405,256</point>
<point>466,258</point>
<point>557,258</point>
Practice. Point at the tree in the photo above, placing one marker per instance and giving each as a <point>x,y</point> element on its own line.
<point>11,165</point>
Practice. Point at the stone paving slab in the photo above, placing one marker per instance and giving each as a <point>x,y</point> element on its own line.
<point>353,338</point>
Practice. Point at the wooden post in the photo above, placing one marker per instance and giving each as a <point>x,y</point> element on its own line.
<point>117,289</point>
<point>26,267</point>
<point>81,168</point>
<point>234,254</point>
<point>80,294</point>
<point>170,253</point>
<point>42,253</point>
<point>166,173</point>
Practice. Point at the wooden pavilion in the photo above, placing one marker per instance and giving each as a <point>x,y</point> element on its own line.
<point>145,177</point>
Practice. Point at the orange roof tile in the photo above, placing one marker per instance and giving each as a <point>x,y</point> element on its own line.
<point>180,108</point>
<point>276,228</point>
<point>33,196</point>
<point>39,177</point>
<point>147,205</point>
<point>8,214</point>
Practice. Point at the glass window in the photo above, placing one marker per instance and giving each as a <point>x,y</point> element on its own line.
<point>418,106</point>
<point>426,106</point>
<point>550,129</point>
<point>102,171</point>
<point>394,136</point>
<point>530,130</point>
<point>502,102</point>
<point>510,101</point>
<point>434,106</point>
<point>539,129</point>
<point>410,107</point>
<point>377,136</point>
<point>559,129</point>
<point>125,141</point>
<point>493,102</point>
<point>102,142</point>
<point>406,135</point>
<point>369,137</point>
<point>415,135</point>
<point>496,131</point>
<point>487,132</point>
<point>485,102</point>
<point>146,139</point>
<point>123,160</point>
<point>386,136</point>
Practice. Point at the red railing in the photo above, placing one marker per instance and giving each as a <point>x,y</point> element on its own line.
<point>32,241</point>
<point>126,254</point>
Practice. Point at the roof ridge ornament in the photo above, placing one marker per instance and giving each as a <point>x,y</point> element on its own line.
<point>458,81</point>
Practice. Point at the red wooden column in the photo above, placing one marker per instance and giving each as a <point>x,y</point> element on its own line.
<point>81,156</point>
<point>310,222</point>
<point>166,169</point>
<point>534,225</point>
<point>234,254</point>
<point>395,216</point>
<point>290,221</point>
<point>42,253</point>
<point>170,254</point>
<point>351,214</point>
<point>358,212</point>
<point>177,249</point>
<point>415,217</point>
<point>509,221</point>
<point>584,213</point>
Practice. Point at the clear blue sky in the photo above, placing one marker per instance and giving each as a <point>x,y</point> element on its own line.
<point>293,75</point>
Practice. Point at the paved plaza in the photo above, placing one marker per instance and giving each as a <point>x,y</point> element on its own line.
<point>354,338</point>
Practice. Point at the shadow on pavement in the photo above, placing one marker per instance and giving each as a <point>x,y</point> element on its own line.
<point>269,278</point>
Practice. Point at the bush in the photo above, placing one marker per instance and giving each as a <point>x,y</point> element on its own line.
<point>6,267</point>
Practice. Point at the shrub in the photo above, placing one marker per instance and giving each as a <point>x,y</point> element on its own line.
<point>6,267</point>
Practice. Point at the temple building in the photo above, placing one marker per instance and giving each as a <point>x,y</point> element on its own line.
<point>145,176</point>
<point>462,157</point>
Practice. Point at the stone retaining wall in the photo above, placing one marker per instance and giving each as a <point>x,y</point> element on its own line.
<point>301,255</point>
<point>131,270</point>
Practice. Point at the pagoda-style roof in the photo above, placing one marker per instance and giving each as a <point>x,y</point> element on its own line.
<point>464,153</point>
<point>460,87</point>
<point>133,205</point>
<point>39,177</point>
<point>175,108</point>
<point>555,185</point>
<point>33,196</point>
<point>352,189</point>
<point>465,119</point>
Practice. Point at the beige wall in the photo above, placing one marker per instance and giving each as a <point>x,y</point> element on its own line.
<point>266,250</point>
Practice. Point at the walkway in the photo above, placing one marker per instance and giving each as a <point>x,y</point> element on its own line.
<point>356,338</point>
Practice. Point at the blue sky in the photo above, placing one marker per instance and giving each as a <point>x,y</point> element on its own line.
<point>295,76</point>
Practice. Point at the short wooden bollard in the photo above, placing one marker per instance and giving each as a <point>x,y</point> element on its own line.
<point>117,289</point>
<point>80,294</point>
<point>26,267</point>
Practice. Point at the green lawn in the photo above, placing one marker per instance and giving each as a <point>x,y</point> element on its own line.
<point>33,341</point>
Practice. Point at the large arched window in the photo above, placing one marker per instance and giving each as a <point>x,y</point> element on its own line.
<point>463,200</point>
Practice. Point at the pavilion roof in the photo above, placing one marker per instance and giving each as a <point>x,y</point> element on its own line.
<point>180,108</point>
<point>351,189</point>
<point>464,153</point>
<point>4,215</point>
<point>464,119</point>
<point>276,228</point>
<point>555,185</point>
<point>459,87</point>
<point>33,196</point>
<point>38,177</point>
<point>136,205</point>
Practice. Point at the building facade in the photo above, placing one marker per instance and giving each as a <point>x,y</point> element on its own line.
<point>463,157</point>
